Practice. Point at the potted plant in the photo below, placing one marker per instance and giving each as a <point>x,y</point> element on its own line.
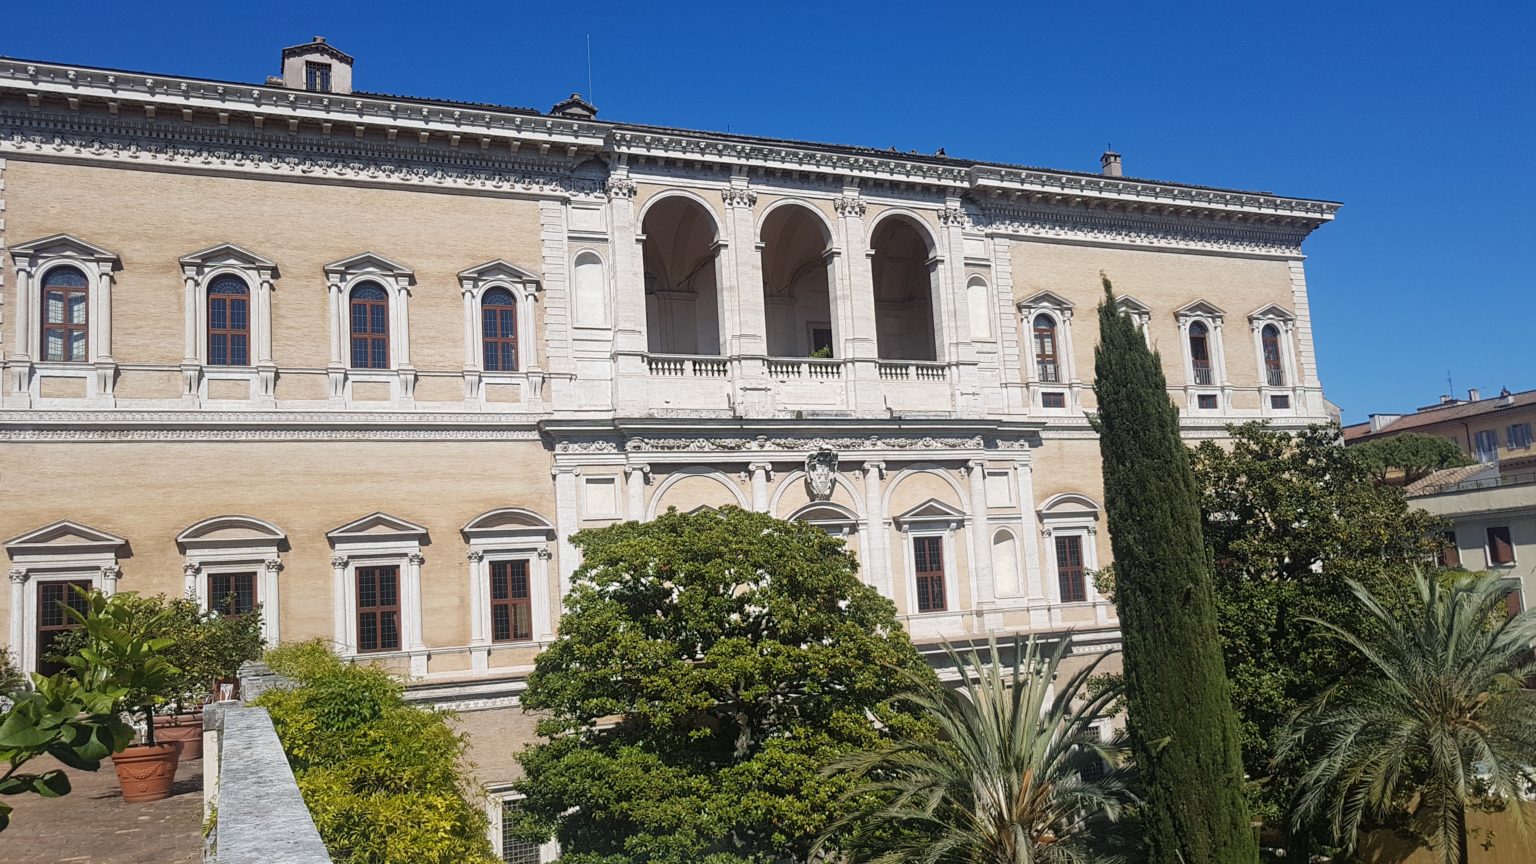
<point>210,646</point>
<point>121,654</point>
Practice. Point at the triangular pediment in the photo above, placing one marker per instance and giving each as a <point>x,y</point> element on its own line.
<point>1130,304</point>
<point>498,269</point>
<point>704,508</point>
<point>62,246</point>
<point>1200,308</point>
<point>227,255</point>
<point>1272,312</point>
<point>1045,300</point>
<point>64,535</point>
<point>932,510</point>
<point>367,262</point>
<point>377,526</point>
<point>231,530</point>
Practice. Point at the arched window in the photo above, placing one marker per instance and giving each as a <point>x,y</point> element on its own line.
<point>64,315</point>
<point>498,330</point>
<point>1047,358</point>
<point>1200,353</point>
<point>229,322</point>
<point>370,326</point>
<point>1274,370</point>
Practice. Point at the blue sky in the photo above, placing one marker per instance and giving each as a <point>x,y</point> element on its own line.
<point>1420,117</point>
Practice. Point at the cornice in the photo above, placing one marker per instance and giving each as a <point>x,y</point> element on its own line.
<point>1167,228</point>
<point>128,425</point>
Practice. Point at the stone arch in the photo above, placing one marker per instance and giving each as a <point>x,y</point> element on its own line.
<point>904,277</point>
<point>658,499</point>
<point>796,243</point>
<point>681,257</point>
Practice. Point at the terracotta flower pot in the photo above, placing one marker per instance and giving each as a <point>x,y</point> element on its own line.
<point>186,728</point>
<point>146,771</point>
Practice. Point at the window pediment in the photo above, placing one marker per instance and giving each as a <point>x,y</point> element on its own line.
<point>507,523</point>
<point>61,246</point>
<point>1046,300</point>
<point>233,531</point>
<point>1200,309</point>
<point>931,511</point>
<point>64,538</point>
<point>377,527</point>
<point>1069,508</point>
<point>1272,312</point>
<point>1131,305</point>
<point>227,255</point>
<point>498,270</point>
<point>368,264</point>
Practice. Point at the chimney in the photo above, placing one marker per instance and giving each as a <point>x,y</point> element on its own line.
<point>574,107</point>
<point>1447,399</point>
<point>1473,395</point>
<point>1382,421</point>
<point>318,67</point>
<point>1109,164</point>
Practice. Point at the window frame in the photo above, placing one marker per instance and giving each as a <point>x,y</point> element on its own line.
<point>1521,432</point>
<point>932,518</point>
<point>1071,514</point>
<point>1211,318</point>
<point>67,597</point>
<point>396,280</point>
<point>508,534</point>
<point>67,327</point>
<point>1069,537</point>
<point>511,603</point>
<point>314,71</point>
<point>1492,453</point>
<point>934,544</point>
<point>496,799</point>
<point>234,543</point>
<point>1508,542</point>
<point>507,313</point>
<point>376,570</point>
<point>227,331</point>
<point>376,540</point>
<point>34,260</point>
<point>369,336</point>
<point>524,287</point>
<point>58,552</point>
<point>1059,310</point>
<point>232,573</point>
<point>199,271</point>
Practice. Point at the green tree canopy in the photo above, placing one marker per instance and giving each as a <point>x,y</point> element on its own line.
<point>1183,732</point>
<point>1406,458</point>
<point>1287,518</point>
<point>708,667</point>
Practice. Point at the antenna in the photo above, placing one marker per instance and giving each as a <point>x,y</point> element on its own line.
<point>1449,387</point>
<point>591,97</point>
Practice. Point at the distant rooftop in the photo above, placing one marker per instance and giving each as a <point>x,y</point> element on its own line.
<point>1450,408</point>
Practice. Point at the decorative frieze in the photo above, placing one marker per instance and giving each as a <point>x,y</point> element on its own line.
<point>1170,232</point>
<point>738,196</point>
<point>850,207</point>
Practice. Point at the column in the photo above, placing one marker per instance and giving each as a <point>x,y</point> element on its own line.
<point>189,319</point>
<point>24,322</point>
<point>472,342</point>
<point>627,276</point>
<point>270,600</point>
<point>876,559</point>
<point>336,370</point>
<point>189,573</point>
<point>1068,361</point>
<point>983,591</point>
<point>636,476</point>
<point>479,639</point>
<point>340,613</point>
<point>742,290</point>
<point>762,472</point>
<point>403,352</point>
<point>1030,537</point>
<point>1219,359</point>
<point>18,615</point>
<point>103,296</point>
<point>856,306</point>
<point>567,520</point>
<point>543,623</point>
<point>109,576</point>
<point>266,369</point>
<point>414,642</point>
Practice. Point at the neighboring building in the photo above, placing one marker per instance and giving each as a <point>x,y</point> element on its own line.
<point>370,360</point>
<point>1490,503</point>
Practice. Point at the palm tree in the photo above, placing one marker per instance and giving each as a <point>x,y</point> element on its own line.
<point>1440,711</point>
<point>1017,774</point>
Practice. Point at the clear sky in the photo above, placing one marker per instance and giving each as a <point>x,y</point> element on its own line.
<point>1420,117</point>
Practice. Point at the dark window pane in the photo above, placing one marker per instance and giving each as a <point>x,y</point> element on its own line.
<point>511,609</point>
<point>1069,569</point>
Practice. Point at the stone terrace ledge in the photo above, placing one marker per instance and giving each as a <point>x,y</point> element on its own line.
<point>261,814</point>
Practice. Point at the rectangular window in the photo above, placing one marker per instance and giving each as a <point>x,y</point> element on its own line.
<point>511,604</point>
<point>513,850</point>
<point>1486,444</point>
<point>821,341</point>
<point>1500,551</point>
<point>378,608</point>
<point>1449,555</point>
<point>232,593</point>
<point>1069,568</point>
<point>53,621</point>
<point>1280,403</point>
<point>928,558</point>
<point>1520,436</point>
<point>1206,402</point>
<point>317,77</point>
<point>1053,400</point>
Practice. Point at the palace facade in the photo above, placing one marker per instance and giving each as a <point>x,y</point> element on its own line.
<point>369,360</point>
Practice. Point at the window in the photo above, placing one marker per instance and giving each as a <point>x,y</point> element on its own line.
<point>1448,554</point>
<point>1200,354</point>
<point>1501,552</point>
<point>378,608</point>
<point>1206,401</point>
<point>1486,443</point>
<point>52,621</point>
<point>513,850</point>
<point>1280,403</point>
<point>1047,359</point>
<point>229,322</point>
<point>498,330</point>
<point>370,326</point>
<point>1069,568</point>
<point>64,315</point>
<point>1274,372</point>
<point>232,593</point>
<point>821,342</point>
<point>928,556</point>
<point>1520,436</point>
<point>317,77</point>
<point>1050,399</point>
<point>511,607</point>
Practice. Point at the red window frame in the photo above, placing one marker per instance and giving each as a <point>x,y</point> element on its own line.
<point>1047,358</point>
<point>1071,575</point>
<point>1200,353</point>
<point>66,329</point>
<point>52,596</point>
<point>928,566</point>
<point>1274,369</point>
<point>368,314</point>
<point>229,322</point>
<point>511,601</point>
<point>498,330</point>
<point>378,608</point>
<point>232,594</point>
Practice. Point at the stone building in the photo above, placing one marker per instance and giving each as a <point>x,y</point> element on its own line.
<point>368,360</point>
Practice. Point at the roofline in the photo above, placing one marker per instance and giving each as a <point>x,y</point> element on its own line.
<point>999,178</point>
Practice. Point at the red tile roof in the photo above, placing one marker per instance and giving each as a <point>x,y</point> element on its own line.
<point>1443,413</point>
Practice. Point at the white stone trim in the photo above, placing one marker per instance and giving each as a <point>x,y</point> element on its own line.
<point>204,551</point>
<point>61,551</point>
<point>343,276</point>
<point>33,261</point>
<point>1059,310</point>
<point>496,797</point>
<point>259,274</point>
<point>375,540</point>
<point>1284,323</point>
<point>525,287</point>
<point>1220,387</point>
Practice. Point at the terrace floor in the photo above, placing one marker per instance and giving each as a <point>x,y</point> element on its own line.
<point>92,824</point>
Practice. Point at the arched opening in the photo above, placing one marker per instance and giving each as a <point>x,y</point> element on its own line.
<point>1005,564</point>
<point>1047,357</point>
<point>682,303</point>
<point>1200,354</point>
<point>229,321</point>
<point>1274,369</point>
<point>370,326</point>
<point>797,275</point>
<point>65,294</point>
<point>498,331</point>
<point>978,301</point>
<point>904,297</point>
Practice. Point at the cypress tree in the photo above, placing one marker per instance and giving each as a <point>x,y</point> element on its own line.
<point>1183,730</point>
